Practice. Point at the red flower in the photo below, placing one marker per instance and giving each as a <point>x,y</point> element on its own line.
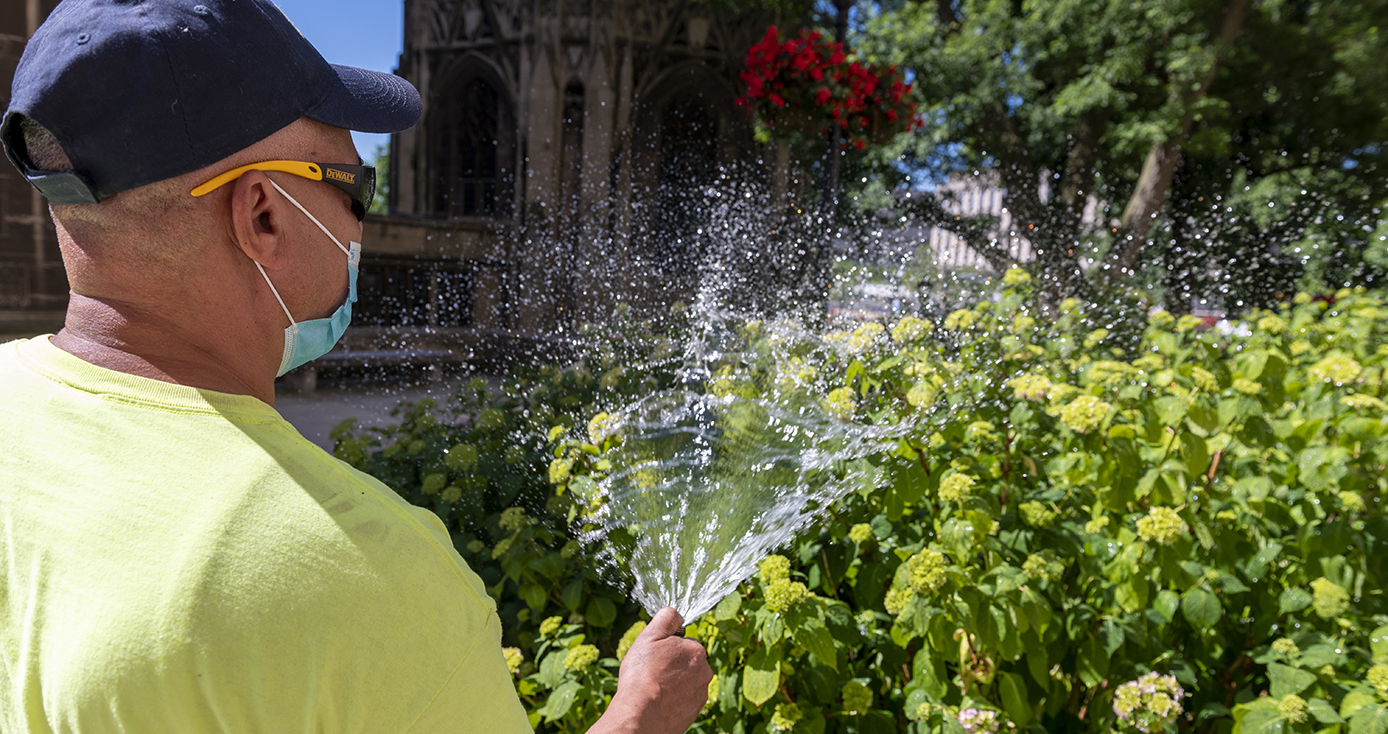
<point>777,100</point>
<point>822,96</point>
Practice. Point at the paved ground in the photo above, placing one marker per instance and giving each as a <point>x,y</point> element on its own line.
<point>316,414</point>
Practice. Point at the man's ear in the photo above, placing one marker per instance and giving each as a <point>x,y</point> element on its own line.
<point>257,220</point>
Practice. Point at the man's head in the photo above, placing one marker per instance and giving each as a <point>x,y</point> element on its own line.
<point>120,109</point>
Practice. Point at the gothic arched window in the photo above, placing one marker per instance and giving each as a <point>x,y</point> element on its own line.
<point>470,151</point>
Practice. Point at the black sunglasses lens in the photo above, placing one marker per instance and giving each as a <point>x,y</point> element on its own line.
<point>358,210</point>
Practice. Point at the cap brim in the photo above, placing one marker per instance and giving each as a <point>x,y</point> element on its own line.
<point>370,102</point>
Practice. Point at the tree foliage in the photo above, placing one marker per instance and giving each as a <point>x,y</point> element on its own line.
<point>1172,115</point>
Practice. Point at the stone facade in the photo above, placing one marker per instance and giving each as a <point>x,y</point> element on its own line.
<point>560,138</point>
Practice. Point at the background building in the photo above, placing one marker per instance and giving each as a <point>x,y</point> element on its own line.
<point>33,285</point>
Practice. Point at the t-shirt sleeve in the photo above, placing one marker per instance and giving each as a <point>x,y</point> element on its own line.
<point>479,696</point>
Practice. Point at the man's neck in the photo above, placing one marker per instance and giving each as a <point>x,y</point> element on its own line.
<point>124,337</point>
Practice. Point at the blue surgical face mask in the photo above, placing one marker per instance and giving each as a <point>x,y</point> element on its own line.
<point>305,341</point>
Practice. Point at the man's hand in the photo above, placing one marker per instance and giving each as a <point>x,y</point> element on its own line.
<point>663,682</point>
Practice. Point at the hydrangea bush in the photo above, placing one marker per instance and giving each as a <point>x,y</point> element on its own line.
<point>1083,529</point>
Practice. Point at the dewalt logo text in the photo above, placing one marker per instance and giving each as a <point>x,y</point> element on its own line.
<point>333,173</point>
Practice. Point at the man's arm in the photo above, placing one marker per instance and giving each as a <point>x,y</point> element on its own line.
<point>663,682</point>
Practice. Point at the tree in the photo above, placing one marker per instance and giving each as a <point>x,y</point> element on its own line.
<point>1068,100</point>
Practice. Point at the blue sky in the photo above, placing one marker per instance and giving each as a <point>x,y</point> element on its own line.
<point>365,33</point>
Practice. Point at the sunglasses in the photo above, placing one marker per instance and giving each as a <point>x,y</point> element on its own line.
<point>358,181</point>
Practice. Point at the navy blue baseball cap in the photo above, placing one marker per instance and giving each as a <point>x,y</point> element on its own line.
<point>138,91</point>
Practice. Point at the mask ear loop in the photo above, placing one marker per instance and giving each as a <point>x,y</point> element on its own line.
<point>295,202</point>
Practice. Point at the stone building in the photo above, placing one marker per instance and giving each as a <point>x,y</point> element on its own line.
<point>33,285</point>
<point>545,183</point>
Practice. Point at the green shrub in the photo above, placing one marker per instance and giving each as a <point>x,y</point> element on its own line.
<point>1177,529</point>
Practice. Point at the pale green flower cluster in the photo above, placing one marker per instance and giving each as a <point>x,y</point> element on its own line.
<point>978,721</point>
<point>1299,347</point>
<point>1036,514</point>
<point>955,487</point>
<point>1030,387</point>
<point>961,320</point>
<point>1301,299</point>
<point>560,470</point>
<point>786,717</point>
<point>840,403</point>
<point>513,519</point>
<point>1328,598</point>
<point>1360,401</point>
<point>629,639</point>
<point>910,329</point>
<point>1162,525</point>
<point>1071,305</point>
<point>1272,324</point>
<point>1109,372</point>
<point>857,698</point>
<point>1084,413</point>
<point>860,533</point>
<point>713,690</point>
<point>865,336</point>
<point>1022,324</point>
<point>1337,368</point>
<point>1016,276</point>
<point>1378,678</point>
<point>774,568</point>
<point>1293,708</point>
<point>600,427</point>
<point>782,594</point>
<point>1149,704</point>
<point>897,599</point>
<point>513,657</point>
<point>980,431</point>
<point>1095,338</point>
<point>476,546</point>
<point>1160,319</point>
<point>1097,524</point>
<point>1150,362</point>
<point>550,626</point>
<point>1353,502</point>
<point>1204,379</point>
<point>1247,386</point>
<point>1286,646</point>
<point>580,657</point>
<point>1188,322</point>
<point>1038,567</point>
<point>927,571</point>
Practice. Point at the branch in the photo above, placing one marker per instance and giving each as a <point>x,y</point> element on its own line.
<point>1160,166</point>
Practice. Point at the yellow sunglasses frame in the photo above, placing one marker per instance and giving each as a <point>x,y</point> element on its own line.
<point>355,186</point>
<point>302,169</point>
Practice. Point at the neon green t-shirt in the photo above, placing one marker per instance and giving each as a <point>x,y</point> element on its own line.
<point>181,560</point>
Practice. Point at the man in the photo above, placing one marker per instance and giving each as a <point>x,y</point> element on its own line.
<point>174,557</point>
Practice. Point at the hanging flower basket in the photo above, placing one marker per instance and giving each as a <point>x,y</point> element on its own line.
<point>798,87</point>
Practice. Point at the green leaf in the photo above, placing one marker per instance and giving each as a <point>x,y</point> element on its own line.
<point>1201,609</point>
<point>1093,662</point>
<point>727,608</point>
<point>1324,712</point>
<point>928,674</point>
<point>1370,720</point>
<point>1286,680</point>
<point>958,537</point>
<point>561,701</point>
<point>1355,700</point>
<point>1196,455</point>
<point>1039,665</point>
<point>1293,600</point>
<point>573,594</point>
<point>534,596</point>
<point>552,669</point>
<point>762,676</point>
<point>1378,642</point>
<point>814,636</point>
<point>1170,410</point>
<point>1112,636</point>
<point>1014,698</point>
<point>1166,603</point>
<point>601,612</point>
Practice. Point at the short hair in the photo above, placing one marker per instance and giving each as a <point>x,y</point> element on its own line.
<point>41,147</point>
